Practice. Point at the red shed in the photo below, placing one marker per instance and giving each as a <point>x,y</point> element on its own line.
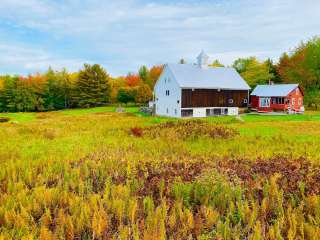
<point>277,97</point>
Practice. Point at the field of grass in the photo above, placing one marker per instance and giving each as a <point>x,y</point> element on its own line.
<point>97,174</point>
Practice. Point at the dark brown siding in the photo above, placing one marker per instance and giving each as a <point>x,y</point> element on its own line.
<point>213,98</point>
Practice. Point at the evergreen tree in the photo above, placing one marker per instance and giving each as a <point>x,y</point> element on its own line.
<point>144,75</point>
<point>273,70</point>
<point>92,87</point>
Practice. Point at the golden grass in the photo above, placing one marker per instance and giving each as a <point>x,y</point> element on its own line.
<point>86,176</point>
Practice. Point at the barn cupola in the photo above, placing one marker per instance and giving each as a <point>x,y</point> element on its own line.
<point>203,59</point>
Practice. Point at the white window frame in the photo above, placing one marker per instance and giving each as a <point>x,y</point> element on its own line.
<point>264,102</point>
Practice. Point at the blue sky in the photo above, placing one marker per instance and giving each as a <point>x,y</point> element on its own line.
<point>123,35</point>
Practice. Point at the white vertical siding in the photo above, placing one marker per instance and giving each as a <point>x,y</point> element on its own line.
<point>167,105</point>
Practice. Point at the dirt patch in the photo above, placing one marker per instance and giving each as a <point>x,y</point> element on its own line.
<point>186,129</point>
<point>295,174</point>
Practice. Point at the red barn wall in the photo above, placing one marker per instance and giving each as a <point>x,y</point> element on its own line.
<point>296,94</point>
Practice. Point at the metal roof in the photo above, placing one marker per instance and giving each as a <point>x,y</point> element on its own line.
<point>277,90</point>
<point>193,76</point>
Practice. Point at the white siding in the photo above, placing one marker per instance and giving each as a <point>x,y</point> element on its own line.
<point>167,105</point>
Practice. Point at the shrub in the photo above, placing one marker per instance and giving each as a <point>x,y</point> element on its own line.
<point>4,119</point>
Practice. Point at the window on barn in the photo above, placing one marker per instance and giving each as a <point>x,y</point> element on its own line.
<point>187,112</point>
<point>264,102</point>
<point>293,101</point>
<point>178,101</point>
<point>245,100</point>
<point>230,101</point>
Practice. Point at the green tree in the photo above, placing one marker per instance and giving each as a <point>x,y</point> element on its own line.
<point>8,93</point>
<point>92,87</point>
<point>273,70</point>
<point>302,65</point>
<point>57,93</point>
<point>253,71</point>
<point>144,75</point>
<point>126,95</point>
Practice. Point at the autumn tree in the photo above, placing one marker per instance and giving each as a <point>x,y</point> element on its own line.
<point>253,71</point>
<point>115,85</point>
<point>92,86</point>
<point>302,66</point>
<point>143,94</point>
<point>132,80</point>
<point>154,75</point>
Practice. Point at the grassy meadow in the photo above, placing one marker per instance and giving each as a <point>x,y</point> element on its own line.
<point>97,174</point>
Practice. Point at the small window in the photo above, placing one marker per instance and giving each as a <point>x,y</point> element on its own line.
<point>245,100</point>
<point>264,102</point>
<point>230,101</point>
<point>168,92</point>
<point>178,101</point>
<point>175,112</point>
<point>167,110</point>
<point>293,101</point>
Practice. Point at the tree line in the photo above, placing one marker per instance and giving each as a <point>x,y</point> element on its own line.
<point>93,86</point>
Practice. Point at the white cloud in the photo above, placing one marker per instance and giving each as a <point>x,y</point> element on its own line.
<point>125,34</point>
<point>32,60</point>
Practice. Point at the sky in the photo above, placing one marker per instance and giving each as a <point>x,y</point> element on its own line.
<point>125,34</point>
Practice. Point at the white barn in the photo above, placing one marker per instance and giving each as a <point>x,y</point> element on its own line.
<point>186,90</point>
